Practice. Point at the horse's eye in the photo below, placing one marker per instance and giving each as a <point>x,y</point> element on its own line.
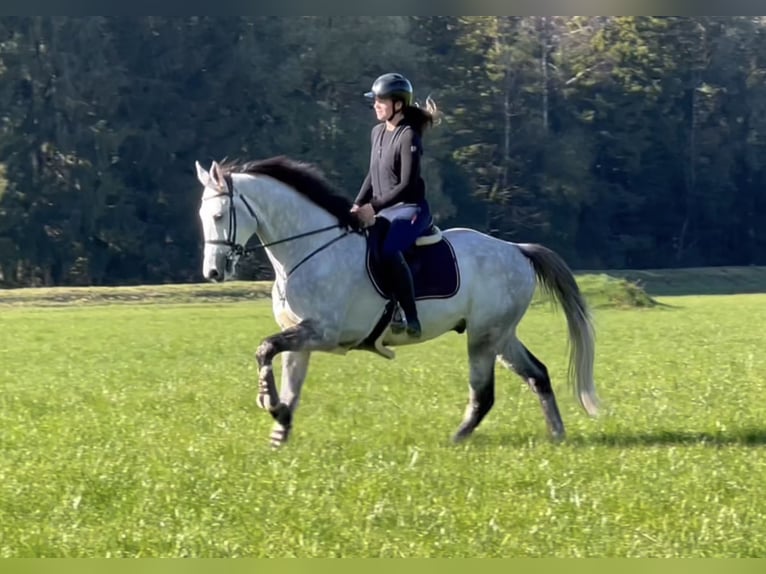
<point>218,216</point>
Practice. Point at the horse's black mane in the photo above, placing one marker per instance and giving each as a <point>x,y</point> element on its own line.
<point>305,178</point>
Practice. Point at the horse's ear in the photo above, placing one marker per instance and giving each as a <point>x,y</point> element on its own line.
<point>202,175</point>
<point>217,174</point>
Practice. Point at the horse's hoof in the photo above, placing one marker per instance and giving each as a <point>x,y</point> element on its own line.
<point>279,437</point>
<point>461,436</point>
<point>558,437</point>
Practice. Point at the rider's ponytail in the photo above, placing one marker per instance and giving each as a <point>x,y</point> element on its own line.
<point>422,118</point>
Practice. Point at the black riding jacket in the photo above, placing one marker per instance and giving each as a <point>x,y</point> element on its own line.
<point>394,174</point>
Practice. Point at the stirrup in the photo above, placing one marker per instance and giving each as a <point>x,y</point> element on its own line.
<point>398,324</point>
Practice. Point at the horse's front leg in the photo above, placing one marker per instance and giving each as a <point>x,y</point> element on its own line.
<point>294,367</point>
<point>299,341</point>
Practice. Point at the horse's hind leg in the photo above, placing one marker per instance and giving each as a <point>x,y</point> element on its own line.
<point>481,395</point>
<point>519,359</point>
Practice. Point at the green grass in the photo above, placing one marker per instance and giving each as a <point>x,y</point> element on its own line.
<point>131,430</point>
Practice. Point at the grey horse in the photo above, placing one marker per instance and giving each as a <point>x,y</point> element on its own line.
<point>324,298</point>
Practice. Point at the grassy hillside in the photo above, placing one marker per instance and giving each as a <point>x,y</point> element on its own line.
<point>697,280</point>
<point>618,288</point>
<point>184,293</point>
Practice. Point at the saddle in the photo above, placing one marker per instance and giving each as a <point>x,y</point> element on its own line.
<point>435,275</point>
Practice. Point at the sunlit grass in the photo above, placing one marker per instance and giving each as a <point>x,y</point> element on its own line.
<point>133,431</point>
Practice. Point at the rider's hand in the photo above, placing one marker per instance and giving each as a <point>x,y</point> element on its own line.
<point>365,213</point>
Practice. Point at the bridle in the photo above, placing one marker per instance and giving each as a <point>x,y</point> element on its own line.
<point>237,250</point>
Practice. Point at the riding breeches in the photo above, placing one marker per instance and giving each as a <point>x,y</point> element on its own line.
<point>407,221</point>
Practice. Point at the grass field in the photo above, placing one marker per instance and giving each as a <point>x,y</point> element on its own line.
<point>132,430</point>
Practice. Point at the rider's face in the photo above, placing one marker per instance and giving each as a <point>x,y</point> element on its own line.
<point>384,108</point>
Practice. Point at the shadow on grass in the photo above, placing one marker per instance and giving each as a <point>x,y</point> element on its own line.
<point>735,437</point>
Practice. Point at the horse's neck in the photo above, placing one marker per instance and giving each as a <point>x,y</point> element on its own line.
<point>283,213</point>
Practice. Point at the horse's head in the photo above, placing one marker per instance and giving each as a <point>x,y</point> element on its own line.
<point>225,226</point>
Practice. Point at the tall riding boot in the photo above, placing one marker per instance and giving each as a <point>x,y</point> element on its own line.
<point>404,291</point>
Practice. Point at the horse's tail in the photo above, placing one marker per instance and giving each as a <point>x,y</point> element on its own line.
<point>555,277</point>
